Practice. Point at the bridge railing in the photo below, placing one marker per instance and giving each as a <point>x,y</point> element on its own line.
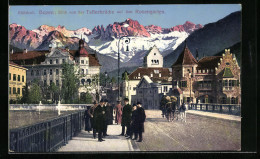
<point>48,106</point>
<point>233,109</point>
<point>46,136</point>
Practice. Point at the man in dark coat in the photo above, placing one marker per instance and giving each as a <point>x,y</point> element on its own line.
<point>133,125</point>
<point>99,119</point>
<point>108,112</point>
<point>140,118</point>
<point>91,114</point>
<point>173,109</point>
<point>126,118</point>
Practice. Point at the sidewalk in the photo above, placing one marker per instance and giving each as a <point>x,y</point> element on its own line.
<point>84,142</point>
<point>215,115</point>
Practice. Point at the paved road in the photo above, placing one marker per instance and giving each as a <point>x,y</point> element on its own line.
<point>199,133</point>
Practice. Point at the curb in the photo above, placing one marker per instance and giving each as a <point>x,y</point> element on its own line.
<point>214,117</point>
<point>134,145</point>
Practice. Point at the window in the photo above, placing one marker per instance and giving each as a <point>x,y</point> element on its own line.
<point>82,71</point>
<point>227,63</point>
<point>37,72</point>
<point>165,88</point>
<point>86,71</point>
<point>226,83</point>
<point>22,78</point>
<point>86,61</point>
<point>63,61</point>
<point>237,82</point>
<point>50,71</point>
<point>57,61</point>
<point>45,83</point>
<point>18,78</point>
<point>14,77</point>
<point>10,90</point>
<point>18,91</point>
<point>183,83</point>
<point>50,61</point>
<point>44,72</point>
<point>82,61</point>
<point>230,83</point>
<point>10,76</point>
<point>14,90</point>
<point>57,71</point>
<point>57,82</point>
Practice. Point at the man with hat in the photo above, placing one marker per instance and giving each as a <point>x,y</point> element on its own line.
<point>99,119</point>
<point>140,118</point>
<point>126,118</point>
<point>91,114</point>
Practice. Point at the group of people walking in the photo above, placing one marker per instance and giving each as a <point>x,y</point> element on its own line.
<point>131,118</point>
<point>171,108</point>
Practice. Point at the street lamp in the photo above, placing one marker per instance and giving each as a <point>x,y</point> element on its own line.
<point>127,41</point>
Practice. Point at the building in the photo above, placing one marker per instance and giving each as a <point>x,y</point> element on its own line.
<point>149,93</point>
<point>153,68</point>
<point>17,81</point>
<point>46,66</point>
<point>213,79</point>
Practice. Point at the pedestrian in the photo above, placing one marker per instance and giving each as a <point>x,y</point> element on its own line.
<point>118,110</point>
<point>87,120</point>
<point>173,109</point>
<point>126,118</point>
<point>108,118</point>
<point>140,118</point>
<point>99,119</point>
<point>91,114</point>
<point>133,130</point>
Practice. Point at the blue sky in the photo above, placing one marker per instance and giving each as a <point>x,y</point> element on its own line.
<point>170,16</point>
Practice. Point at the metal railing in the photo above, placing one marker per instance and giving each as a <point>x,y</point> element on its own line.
<point>46,136</point>
<point>234,109</point>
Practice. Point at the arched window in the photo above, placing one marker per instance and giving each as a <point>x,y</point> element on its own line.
<point>83,81</point>
<point>152,61</point>
<point>89,81</point>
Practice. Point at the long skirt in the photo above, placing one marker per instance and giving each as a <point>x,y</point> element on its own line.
<point>88,124</point>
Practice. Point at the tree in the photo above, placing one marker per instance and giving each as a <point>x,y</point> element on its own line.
<point>103,79</point>
<point>70,83</point>
<point>25,92</point>
<point>113,80</point>
<point>34,94</point>
<point>54,90</point>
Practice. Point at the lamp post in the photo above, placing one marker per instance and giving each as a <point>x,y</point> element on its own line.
<point>190,85</point>
<point>126,41</point>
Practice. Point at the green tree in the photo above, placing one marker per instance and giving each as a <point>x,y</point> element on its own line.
<point>25,92</point>
<point>34,94</point>
<point>103,79</point>
<point>70,83</point>
<point>54,91</point>
<point>113,80</point>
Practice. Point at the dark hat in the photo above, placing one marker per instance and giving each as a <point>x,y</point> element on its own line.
<point>95,102</point>
<point>126,99</point>
<point>105,100</point>
<point>138,103</point>
<point>102,100</point>
<point>134,104</point>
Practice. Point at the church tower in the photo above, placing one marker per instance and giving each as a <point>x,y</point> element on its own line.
<point>153,58</point>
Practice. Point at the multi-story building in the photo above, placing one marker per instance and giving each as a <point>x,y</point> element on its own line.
<point>213,79</point>
<point>152,67</point>
<point>150,93</point>
<point>46,66</point>
<point>17,81</point>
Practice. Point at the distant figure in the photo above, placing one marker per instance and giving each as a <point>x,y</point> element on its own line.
<point>140,118</point>
<point>87,120</point>
<point>169,111</point>
<point>182,110</point>
<point>118,110</point>
<point>173,109</point>
<point>91,114</point>
<point>108,118</point>
<point>126,118</point>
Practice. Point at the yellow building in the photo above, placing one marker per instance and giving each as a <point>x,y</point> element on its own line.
<point>17,80</point>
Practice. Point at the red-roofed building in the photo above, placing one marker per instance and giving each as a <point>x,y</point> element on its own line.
<point>213,79</point>
<point>46,66</point>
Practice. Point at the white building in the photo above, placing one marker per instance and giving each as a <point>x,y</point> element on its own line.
<point>149,93</point>
<point>46,66</point>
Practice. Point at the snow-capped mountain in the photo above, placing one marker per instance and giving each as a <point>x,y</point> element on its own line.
<point>104,39</point>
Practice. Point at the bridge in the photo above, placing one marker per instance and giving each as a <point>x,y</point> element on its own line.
<point>203,131</point>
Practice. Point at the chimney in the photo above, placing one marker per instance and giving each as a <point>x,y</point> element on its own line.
<point>25,51</point>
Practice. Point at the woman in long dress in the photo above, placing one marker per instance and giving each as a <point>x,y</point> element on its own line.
<point>118,110</point>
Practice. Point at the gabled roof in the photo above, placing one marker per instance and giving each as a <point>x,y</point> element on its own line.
<point>209,62</point>
<point>185,58</point>
<point>165,73</point>
<point>145,78</point>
